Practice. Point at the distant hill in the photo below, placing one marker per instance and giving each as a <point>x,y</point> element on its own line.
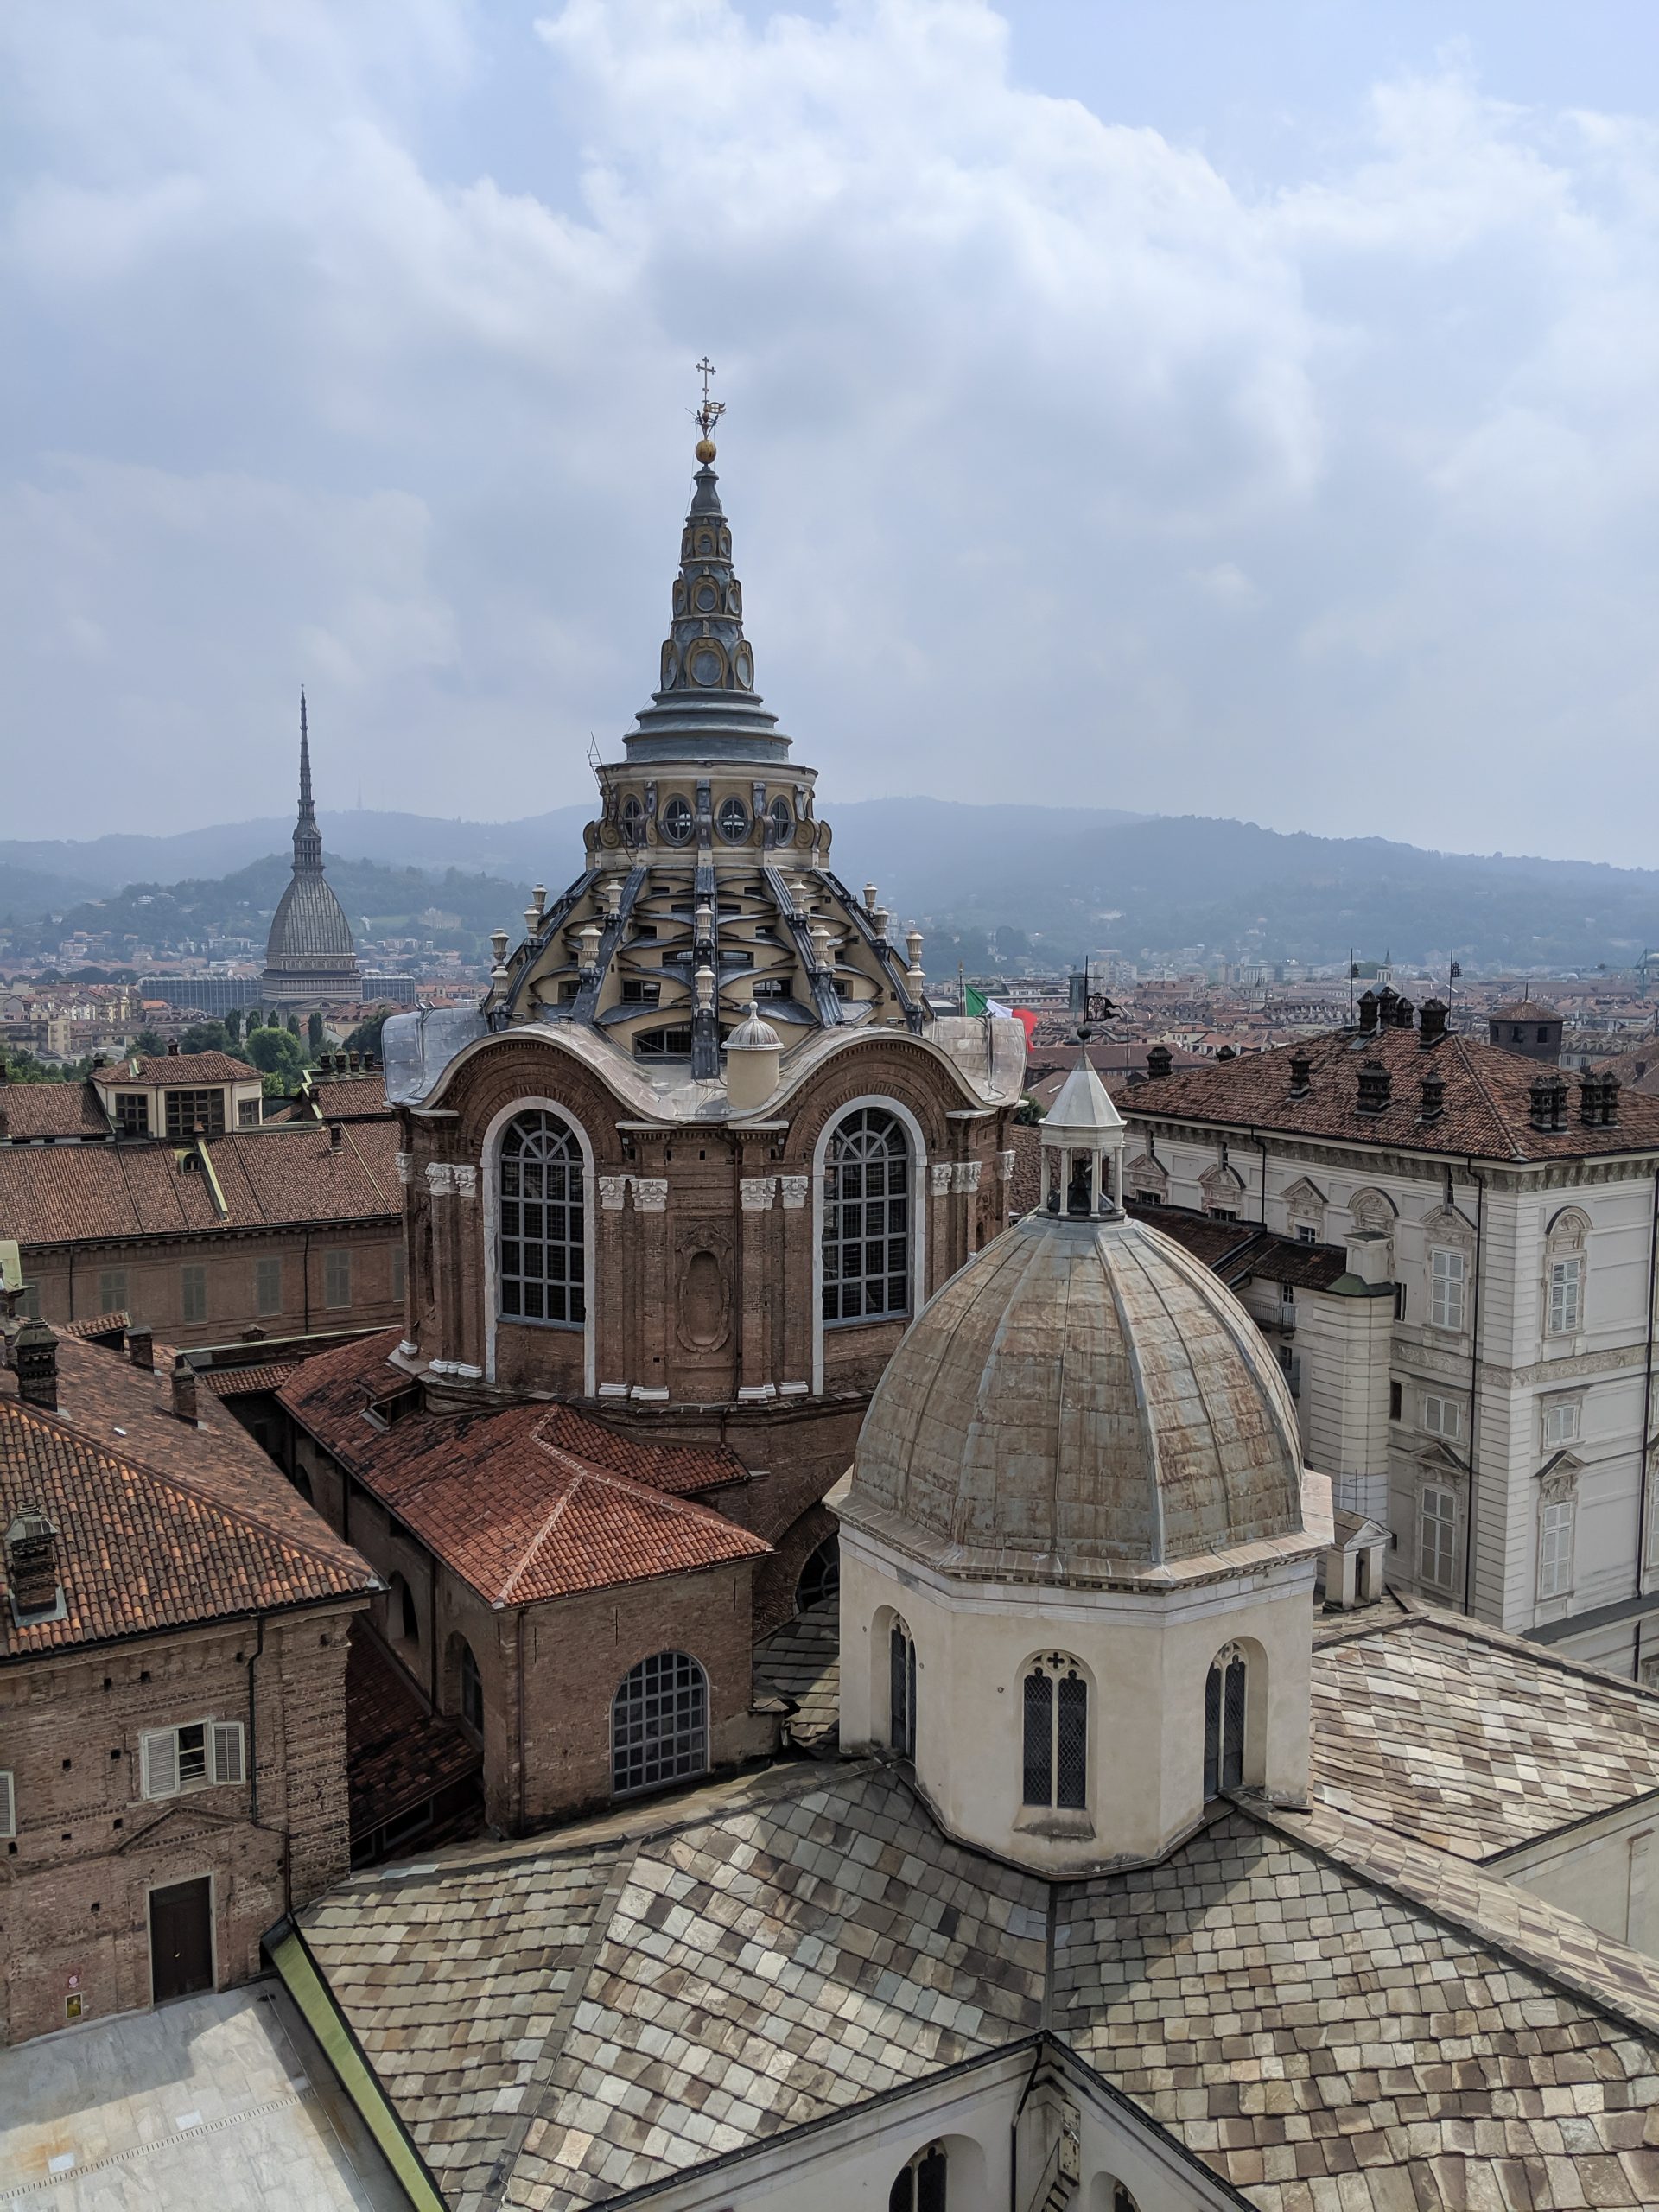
<point>987,882</point>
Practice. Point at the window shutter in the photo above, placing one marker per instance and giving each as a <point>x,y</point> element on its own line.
<point>159,1763</point>
<point>227,1750</point>
<point>8,1805</point>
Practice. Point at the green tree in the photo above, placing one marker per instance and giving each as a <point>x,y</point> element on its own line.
<point>204,1037</point>
<point>147,1044</point>
<point>233,1025</point>
<point>1028,1114</point>
<point>313,1035</point>
<point>293,1026</point>
<point>365,1038</point>
<point>279,1060</point>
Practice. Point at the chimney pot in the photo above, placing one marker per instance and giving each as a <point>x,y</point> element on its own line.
<point>1433,1095</point>
<point>336,1136</point>
<point>1301,1070</point>
<point>31,1564</point>
<point>1368,1014</point>
<point>173,1048</point>
<point>141,1347</point>
<point>1160,1060</point>
<point>351,1062</point>
<point>34,1357</point>
<point>1434,1022</point>
<point>184,1390</point>
<point>1375,1088</point>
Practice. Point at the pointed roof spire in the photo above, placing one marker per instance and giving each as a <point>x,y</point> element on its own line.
<point>307,811</point>
<point>706,706</point>
<point>308,838</point>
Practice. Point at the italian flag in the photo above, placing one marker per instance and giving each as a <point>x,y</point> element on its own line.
<point>975,1001</point>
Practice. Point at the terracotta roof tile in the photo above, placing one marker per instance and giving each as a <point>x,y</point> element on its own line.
<point>400,1751</point>
<point>1485,1112</point>
<point>92,1193</point>
<point>499,1498</point>
<point>176,1068</point>
<point>162,1525</point>
<point>247,1381</point>
<point>52,1109</point>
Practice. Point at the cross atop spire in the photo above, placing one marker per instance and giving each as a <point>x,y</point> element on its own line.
<point>709,414</point>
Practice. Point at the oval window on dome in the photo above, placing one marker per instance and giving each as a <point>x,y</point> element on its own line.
<point>708,598</point>
<point>745,668</point>
<point>677,819</point>
<point>706,666</point>
<point>783,821</point>
<point>734,819</point>
<point>633,818</point>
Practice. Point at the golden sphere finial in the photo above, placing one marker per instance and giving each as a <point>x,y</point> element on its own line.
<point>705,450</point>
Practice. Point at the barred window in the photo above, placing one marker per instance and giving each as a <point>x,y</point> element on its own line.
<point>542,1261</point>
<point>901,1691</point>
<point>132,1113</point>
<point>1056,1734</point>
<point>185,1108</point>
<point>866,1218</point>
<point>1223,1723</point>
<point>659,1723</point>
<point>820,1578</point>
<point>921,2186</point>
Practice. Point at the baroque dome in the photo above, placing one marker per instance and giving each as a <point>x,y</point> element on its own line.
<point>309,923</point>
<point>1084,1403</point>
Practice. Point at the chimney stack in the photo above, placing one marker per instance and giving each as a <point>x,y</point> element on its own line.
<point>1160,1060</point>
<point>173,1048</point>
<point>1368,1014</point>
<point>1433,1095</point>
<point>1375,1088</point>
<point>351,1062</point>
<point>1546,1102</point>
<point>141,1346</point>
<point>1433,1023</point>
<point>184,1391</point>
<point>1302,1072</point>
<point>1404,1011</point>
<point>32,1564</point>
<point>35,1356</point>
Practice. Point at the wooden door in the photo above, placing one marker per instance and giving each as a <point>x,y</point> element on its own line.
<point>181,1940</point>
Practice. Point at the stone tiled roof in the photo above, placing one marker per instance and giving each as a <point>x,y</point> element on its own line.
<point>1471,1741</point>
<point>501,1495</point>
<point>249,1382</point>
<point>160,1524</point>
<point>278,1176</point>
<point>1326,2018</point>
<point>1485,1113</point>
<point>645,2005</point>
<point>1319,2042</point>
<point>51,1109</point>
<point>801,1661</point>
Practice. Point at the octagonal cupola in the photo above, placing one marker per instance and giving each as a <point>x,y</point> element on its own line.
<point>1083,1140</point>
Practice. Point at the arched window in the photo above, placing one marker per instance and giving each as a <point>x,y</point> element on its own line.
<point>659,1723</point>
<point>821,1576</point>
<point>901,1691</point>
<point>541,1232</point>
<point>866,1218</point>
<point>1223,1722</point>
<point>920,2187</point>
<point>402,1622</point>
<point>469,1685</point>
<point>1055,1765</point>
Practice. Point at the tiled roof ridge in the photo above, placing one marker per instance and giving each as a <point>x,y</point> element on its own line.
<point>1540,1654</point>
<point>1552,1944</point>
<point>1465,1059</point>
<point>92,1325</point>
<point>57,1425</point>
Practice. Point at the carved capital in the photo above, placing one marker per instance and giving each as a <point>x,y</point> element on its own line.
<point>612,1189</point>
<point>754,1192</point>
<point>405,1166</point>
<point>795,1188</point>
<point>440,1178</point>
<point>649,1193</point>
<point>1005,1167</point>
<point>968,1175</point>
<point>466,1182</point>
<point>940,1176</point>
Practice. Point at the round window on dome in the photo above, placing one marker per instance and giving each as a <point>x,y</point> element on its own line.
<point>707,666</point>
<point>633,818</point>
<point>733,820</point>
<point>677,819</point>
<point>783,821</point>
<point>708,598</point>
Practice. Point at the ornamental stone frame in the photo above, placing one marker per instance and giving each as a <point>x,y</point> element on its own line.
<point>918,1148</point>
<point>491,1166</point>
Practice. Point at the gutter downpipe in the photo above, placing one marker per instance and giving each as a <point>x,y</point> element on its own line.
<point>1474,1389</point>
<point>1642,1441</point>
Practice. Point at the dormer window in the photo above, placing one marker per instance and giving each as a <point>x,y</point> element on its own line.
<point>132,1113</point>
<point>187,1109</point>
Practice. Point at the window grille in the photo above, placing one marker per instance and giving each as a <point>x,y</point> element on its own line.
<point>1224,1724</point>
<point>901,1692</point>
<point>112,1290</point>
<point>337,1278</point>
<point>866,1218</point>
<point>1436,1536</point>
<point>193,1294</point>
<point>7,1804</point>
<point>248,1113</point>
<point>1555,1549</point>
<point>1056,1762</point>
<point>185,1108</point>
<point>659,1724</point>
<point>1443,1417</point>
<point>1448,1273</point>
<point>543,1266</point>
<point>1565,1294</point>
<point>673,1044</point>
<point>132,1113</point>
<point>1306,1233</point>
<point>267,1286</point>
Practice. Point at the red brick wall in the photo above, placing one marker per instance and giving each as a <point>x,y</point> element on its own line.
<point>90,1847</point>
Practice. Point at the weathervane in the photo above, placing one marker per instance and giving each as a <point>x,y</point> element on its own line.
<point>709,414</point>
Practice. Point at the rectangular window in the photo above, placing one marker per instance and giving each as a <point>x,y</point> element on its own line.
<point>1562,1419</point>
<point>200,1755</point>
<point>1222,1213</point>
<point>1443,1417</point>
<point>247,1114</point>
<point>1306,1233</point>
<point>1566,1295</point>
<point>337,1278</point>
<point>1436,1536</point>
<point>1286,1293</point>
<point>193,1294</point>
<point>187,1110</point>
<point>7,1804</point>
<point>1448,1274</point>
<point>1396,1402</point>
<point>1555,1549</point>
<point>636,991</point>
<point>132,1113</point>
<point>400,1273</point>
<point>112,1290</point>
<point>268,1287</point>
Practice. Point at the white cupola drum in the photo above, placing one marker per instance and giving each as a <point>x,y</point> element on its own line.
<point>1083,1140</point>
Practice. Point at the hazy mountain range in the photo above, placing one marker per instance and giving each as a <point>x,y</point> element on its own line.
<point>1068,881</point>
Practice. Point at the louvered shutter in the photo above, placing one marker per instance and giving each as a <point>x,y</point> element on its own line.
<point>8,1805</point>
<point>227,1750</point>
<point>158,1756</point>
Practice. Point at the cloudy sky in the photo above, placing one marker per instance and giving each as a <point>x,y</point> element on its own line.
<point>1182,404</point>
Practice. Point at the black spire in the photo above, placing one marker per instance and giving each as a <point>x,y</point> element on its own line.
<point>308,838</point>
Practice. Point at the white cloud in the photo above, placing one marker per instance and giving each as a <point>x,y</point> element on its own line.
<point>1031,410</point>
